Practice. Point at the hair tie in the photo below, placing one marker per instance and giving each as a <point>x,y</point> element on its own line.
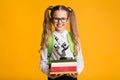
<point>50,7</point>
<point>69,9</point>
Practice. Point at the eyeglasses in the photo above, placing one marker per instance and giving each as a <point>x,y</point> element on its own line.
<point>63,20</point>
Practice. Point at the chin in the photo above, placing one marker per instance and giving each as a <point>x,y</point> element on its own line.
<point>60,28</point>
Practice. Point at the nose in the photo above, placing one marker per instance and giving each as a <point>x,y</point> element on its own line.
<point>59,21</point>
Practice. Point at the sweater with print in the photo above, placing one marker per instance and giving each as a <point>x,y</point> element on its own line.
<point>60,39</point>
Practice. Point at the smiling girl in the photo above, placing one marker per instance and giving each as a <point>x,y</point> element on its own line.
<point>59,16</point>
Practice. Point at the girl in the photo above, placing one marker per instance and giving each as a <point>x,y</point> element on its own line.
<point>59,16</point>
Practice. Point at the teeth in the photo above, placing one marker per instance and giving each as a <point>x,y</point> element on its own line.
<point>59,25</point>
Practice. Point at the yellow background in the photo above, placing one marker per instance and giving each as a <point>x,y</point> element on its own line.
<point>21,29</point>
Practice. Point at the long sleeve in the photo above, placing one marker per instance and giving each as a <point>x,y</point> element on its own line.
<point>80,62</point>
<point>44,62</point>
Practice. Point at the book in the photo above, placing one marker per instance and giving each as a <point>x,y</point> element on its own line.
<point>63,66</point>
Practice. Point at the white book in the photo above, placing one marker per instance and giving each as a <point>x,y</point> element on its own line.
<point>61,64</point>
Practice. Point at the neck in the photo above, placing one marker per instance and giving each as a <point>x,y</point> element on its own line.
<point>60,31</point>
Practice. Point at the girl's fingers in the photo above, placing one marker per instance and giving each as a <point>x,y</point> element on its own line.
<point>74,75</point>
<point>52,76</point>
<point>55,76</point>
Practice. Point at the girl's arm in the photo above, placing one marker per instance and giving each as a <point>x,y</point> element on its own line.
<point>44,61</point>
<point>80,62</point>
<point>44,65</point>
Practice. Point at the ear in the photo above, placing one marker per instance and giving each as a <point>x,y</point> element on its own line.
<point>68,20</point>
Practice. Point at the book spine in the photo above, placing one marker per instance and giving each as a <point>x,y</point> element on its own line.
<point>63,69</point>
<point>63,61</point>
<point>64,64</point>
<point>63,72</point>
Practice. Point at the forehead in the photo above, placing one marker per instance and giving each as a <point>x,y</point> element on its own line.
<point>60,13</point>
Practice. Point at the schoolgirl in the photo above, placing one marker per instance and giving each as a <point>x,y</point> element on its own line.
<point>59,16</point>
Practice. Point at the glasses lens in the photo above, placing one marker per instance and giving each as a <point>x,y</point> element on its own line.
<point>64,20</point>
<point>56,19</point>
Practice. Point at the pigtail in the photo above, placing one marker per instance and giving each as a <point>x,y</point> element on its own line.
<point>47,28</point>
<point>74,29</point>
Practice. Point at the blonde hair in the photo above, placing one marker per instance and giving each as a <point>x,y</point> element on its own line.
<point>47,25</point>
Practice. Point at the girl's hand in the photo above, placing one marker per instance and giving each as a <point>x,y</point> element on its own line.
<point>74,75</point>
<point>53,76</point>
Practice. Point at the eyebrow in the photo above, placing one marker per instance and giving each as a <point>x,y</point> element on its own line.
<point>59,17</point>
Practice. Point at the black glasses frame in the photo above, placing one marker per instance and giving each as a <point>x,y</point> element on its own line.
<point>63,20</point>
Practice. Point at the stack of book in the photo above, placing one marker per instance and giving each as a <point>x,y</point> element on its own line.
<point>63,67</point>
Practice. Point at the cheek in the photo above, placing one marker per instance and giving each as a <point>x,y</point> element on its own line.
<point>53,23</point>
<point>66,23</point>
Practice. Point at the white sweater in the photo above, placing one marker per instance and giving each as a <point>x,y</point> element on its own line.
<point>62,38</point>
